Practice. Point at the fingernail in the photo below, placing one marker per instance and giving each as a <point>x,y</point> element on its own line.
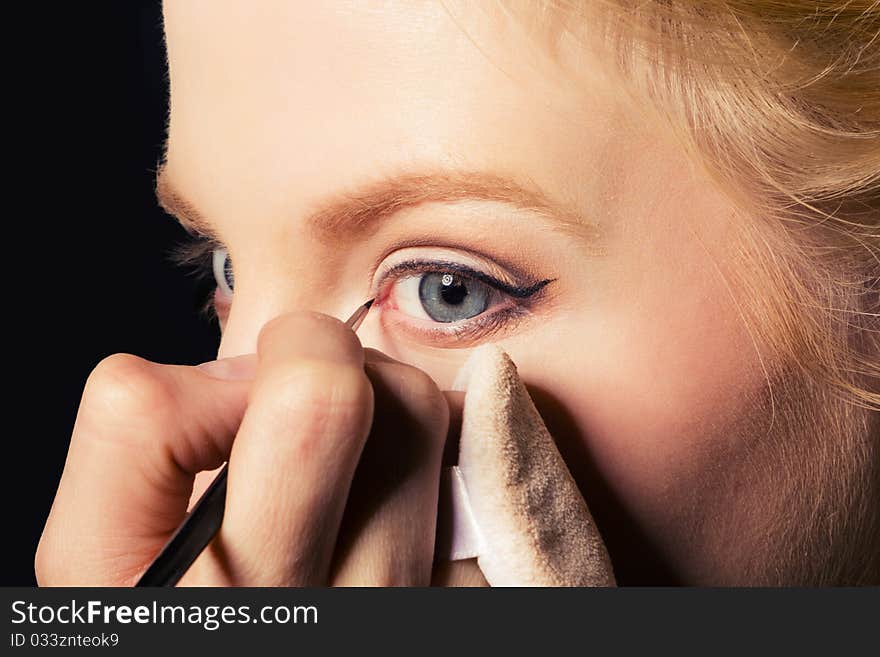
<point>232,369</point>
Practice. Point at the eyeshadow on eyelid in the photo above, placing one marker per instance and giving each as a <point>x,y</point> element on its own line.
<point>519,271</point>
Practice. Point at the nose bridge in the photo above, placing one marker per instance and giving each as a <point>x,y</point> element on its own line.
<point>298,279</point>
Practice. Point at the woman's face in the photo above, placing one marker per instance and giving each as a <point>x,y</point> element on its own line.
<point>325,143</point>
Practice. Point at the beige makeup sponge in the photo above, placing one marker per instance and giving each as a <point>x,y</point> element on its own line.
<point>515,506</point>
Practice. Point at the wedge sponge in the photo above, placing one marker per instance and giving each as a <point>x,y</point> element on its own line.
<point>513,503</point>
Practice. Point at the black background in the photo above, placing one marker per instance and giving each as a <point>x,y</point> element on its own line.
<point>86,246</point>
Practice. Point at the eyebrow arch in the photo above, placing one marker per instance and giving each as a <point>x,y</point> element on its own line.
<point>355,214</point>
<point>175,204</point>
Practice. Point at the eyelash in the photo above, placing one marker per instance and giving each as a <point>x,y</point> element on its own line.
<point>196,254</point>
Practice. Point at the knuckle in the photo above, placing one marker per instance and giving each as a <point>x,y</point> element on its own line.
<point>423,403</point>
<point>422,393</point>
<point>127,388</point>
<point>319,397</point>
<point>49,568</point>
<point>274,330</point>
<point>43,563</point>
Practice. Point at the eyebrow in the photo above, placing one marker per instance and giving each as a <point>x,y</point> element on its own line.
<point>355,214</point>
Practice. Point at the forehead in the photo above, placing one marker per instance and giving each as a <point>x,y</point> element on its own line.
<point>273,102</point>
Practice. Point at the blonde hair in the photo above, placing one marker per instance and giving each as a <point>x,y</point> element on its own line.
<point>779,101</point>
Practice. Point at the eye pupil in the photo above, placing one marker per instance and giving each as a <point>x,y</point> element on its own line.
<point>450,298</point>
<point>450,293</point>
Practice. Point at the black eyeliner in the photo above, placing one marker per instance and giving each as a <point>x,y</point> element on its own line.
<point>446,266</point>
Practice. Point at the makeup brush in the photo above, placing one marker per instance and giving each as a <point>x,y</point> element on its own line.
<point>204,520</point>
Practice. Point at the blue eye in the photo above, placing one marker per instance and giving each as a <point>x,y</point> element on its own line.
<point>446,297</point>
<point>464,301</point>
<point>223,275</point>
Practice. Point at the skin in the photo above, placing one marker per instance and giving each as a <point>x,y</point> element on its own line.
<point>637,358</point>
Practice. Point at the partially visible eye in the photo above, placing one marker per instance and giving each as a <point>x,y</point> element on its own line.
<point>223,275</point>
<point>207,260</point>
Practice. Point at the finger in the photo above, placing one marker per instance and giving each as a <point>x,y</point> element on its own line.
<point>455,403</point>
<point>387,533</point>
<point>295,454</point>
<point>142,432</point>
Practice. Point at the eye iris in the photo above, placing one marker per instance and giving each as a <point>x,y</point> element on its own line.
<point>227,273</point>
<point>450,298</point>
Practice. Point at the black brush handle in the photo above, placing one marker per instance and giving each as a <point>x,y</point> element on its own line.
<point>193,535</point>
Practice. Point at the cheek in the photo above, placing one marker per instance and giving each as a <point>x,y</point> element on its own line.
<point>638,386</point>
<point>639,411</point>
<point>645,405</point>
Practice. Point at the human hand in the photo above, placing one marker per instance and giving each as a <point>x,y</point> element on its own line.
<point>311,500</point>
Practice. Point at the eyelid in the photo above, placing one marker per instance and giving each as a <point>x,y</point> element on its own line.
<point>493,261</point>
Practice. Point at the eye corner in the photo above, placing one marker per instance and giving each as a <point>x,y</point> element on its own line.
<point>222,267</point>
